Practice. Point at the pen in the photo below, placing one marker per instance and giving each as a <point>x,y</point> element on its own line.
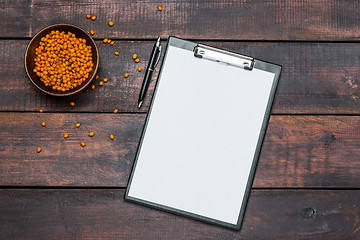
<point>154,59</point>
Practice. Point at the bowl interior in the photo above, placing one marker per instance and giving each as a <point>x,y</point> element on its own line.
<point>34,43</point>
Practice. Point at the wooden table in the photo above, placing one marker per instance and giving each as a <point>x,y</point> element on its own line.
<point>308,179</point>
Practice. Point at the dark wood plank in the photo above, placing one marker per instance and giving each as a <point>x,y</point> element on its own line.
<point>63,162</point>
<point>310,151</point>
<point>17,93</point>
<point>299,151</point>
<point>265,20</point>
<point>316,78</point>
<point>15,18</point>
<point>103,214</point>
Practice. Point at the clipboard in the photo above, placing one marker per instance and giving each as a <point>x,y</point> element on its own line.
<point>203,134</point>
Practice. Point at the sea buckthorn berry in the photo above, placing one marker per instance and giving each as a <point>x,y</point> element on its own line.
<point>105,40</point>
<point>134,56</point>
<point>66,135</point>
<point>116,53</point>
<point>41,110</point>
<point>92,32</point>
<point>112,43</point>
<point>43,124</point>
<point>82,144</point>
<point>126,75</point>
<point>112,137</point>
<point>137,60</point>
<point>159,8</point>
<point>91,134</point>
<point>111,23</point>
<point>93,87</point>
<point>97,76</point>
<point>38,149</point>
<point>109,41</point>
<point>77,125</point>
<point>116,110</point>
<point>105,79</point>
<point>93,18</point>
<point>88,16</point>
<point>139,69</point>
<point>101,83</point>
<point>63,61</point>
<point>72,104</point>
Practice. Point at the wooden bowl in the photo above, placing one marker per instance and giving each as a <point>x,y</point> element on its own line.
<point>30,56</point>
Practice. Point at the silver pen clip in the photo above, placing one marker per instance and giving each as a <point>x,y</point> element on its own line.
<point>158,58</point>
<point>219,55</point>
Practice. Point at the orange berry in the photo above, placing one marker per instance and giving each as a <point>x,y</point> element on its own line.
<point>92,32</point>
<point>116,110</point>
<point>134,56</point>
<point>88,16</point>
<point>41,110</point>
<point>91,134</point>
<point>105,79</point>
<point>58,65</point>
<point>139,69</point>
<point>77,125</point>
<point>126,75</point>
<point>137,60</point>
<point>93,18</point>
<point>97,76</point>
<point>43,124</point>
<point>159,8</point>
<point>72,104</point>
<point>101,83</point>
<point>116,53</point>
<point>82,144</point>
<point>93,87</point>
<point>112,137</point>
<point>66,135</point>
<point>111,24</point>
<point>38,149</point>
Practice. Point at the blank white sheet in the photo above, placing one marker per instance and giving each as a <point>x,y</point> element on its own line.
<point>200,140</point>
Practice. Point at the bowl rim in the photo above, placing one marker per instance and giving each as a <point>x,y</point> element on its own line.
<point>64,93</point>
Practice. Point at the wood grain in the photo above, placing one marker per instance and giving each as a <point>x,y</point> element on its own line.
<point>240,20</point>
<point>103,214</point>
<point>63,162</point>
<point>310,151</point>
<point>316,78</point>
<point>315,41</point>
<point>299,151</point>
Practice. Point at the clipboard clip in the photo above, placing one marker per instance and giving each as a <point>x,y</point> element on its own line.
<point>219,55</point>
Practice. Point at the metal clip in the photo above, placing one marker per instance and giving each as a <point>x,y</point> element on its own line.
<point>158,58</point>
<point>219,55</point>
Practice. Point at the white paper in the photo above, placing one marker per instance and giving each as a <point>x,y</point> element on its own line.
<point>201,136</point>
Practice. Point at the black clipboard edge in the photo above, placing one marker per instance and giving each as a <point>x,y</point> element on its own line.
<point>262,65</point>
